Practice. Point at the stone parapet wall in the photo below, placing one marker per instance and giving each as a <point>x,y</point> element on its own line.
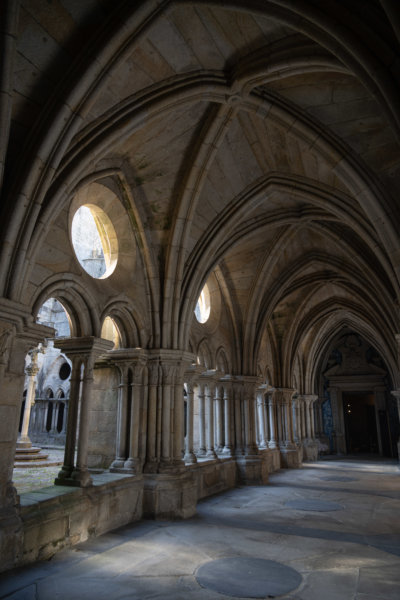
<point>55,518</point>
<point>59,517</point>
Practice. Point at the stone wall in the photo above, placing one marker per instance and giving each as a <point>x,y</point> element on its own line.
<point>59,517</point>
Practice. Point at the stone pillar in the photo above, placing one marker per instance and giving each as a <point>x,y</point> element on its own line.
<point>31,371</point>
<point>178,419</point>
<point>190,457</point>
<point>132,410</point>
<point>239,433</point>
<point>18,334</point>
<point>296,420</point>
<point>291,455</point>
<point>302,417</point>
<point>202,420</point>
<point>170,491</point>
<point>80,473</point>
<point>284,401</point>
<point>153,418</point>
<point>133,464</point>
<point>121,440</point>
<point>219,419</point>
<point>262,442</point>
<point>210,420</point>
<point>251,464</point>
<point>71,433</point>
<point>380,404</point>
<point>83,353</point>
<point>272,443</point>
<point>266,419</point>
<point>396,394</point>
<point>310,445</point>
<point>249,405</point>
<point>228,423</point>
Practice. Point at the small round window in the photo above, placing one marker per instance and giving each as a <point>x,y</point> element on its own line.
<point>94,241</point>
<point>65,371</point>
<point>203,306</point>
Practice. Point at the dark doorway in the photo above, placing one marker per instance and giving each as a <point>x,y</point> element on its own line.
<point>360,423</point>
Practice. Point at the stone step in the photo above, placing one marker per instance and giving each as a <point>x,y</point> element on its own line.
<point>28,450</point>
<point>38,464</point>
<point>25,457</point>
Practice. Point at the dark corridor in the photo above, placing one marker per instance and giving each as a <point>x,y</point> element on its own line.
<point>360,423</point>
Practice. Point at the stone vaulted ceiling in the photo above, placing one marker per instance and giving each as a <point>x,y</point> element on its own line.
<point>255,143</point>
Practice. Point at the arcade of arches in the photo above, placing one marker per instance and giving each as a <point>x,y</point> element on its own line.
<point>200,239</point>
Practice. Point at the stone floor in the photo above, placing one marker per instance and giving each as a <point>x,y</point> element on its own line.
<point>341,541</point>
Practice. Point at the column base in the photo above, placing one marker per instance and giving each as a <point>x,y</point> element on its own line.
<point>227,452</point>
<point>24,442</point>
<point>290,458</point>
<point>169,496</point>
<point>252,470</point>
<point>118,463</point>
<point>133,465</point>
<point>171,467</point>
<point>211,454</point>
<point>76,478</point>
<point>310,450</point>
<point>190,458</point>
<point>150,466</point>
<point>63,475</point>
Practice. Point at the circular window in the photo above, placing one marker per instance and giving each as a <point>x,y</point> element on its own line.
<point>94,241</point>
<point>203,306</point>
<point>65,371</point>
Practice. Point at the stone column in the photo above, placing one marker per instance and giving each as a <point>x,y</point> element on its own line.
<point>380,404</point>
<point>284,400</point>
<point>121,441</point>
<point>219,425</point>
<point>308,404</point>
<point>310,446</point>
<point>296,420</point>
<point>239,434</point>
<point>202,421</point>
<point>80,473</point>
<point>153,417</point>
<point>71,433</point>
<point>133,464</point>
<point>210,387</point>
<point>190,457</point>
<point>272,443</point>
<point>18,334</point>
<point>262,442</point>
<point>132,415</point>
<point>32,370</point>
<point>83,353</point>
<point>266,419</point>
<point>228,423</point>
<point>312,417</point>
<point>249,404</point>
<point>178,419</point>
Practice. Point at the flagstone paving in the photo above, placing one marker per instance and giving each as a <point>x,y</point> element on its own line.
<point>347,554</point>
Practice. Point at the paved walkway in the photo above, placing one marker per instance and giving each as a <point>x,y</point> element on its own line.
<point>28,479</point>
<point>341,541</point>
